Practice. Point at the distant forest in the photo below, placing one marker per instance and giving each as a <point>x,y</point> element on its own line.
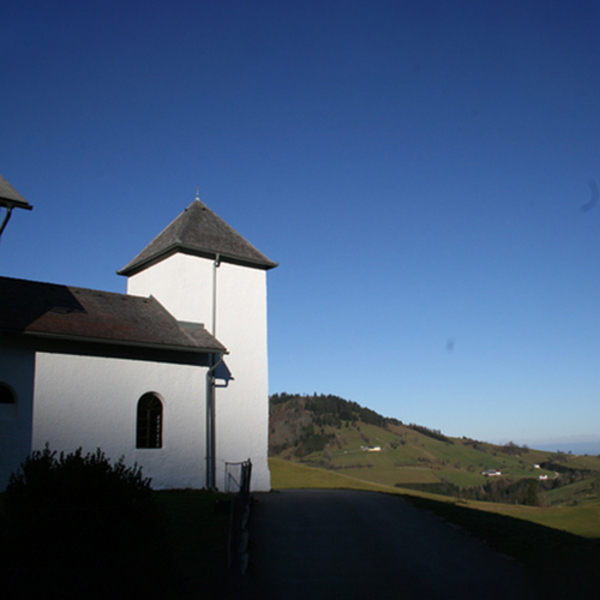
<point>328,409</point>
<point>333,410</point>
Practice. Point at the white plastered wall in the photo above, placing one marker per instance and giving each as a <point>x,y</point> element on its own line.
<point>184,285</point>
<point>242,407</point>
<point>91,402</point>
<point>17,366</point>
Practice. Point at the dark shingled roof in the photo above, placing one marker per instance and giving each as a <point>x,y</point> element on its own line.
<point>10,198</point>
<point>71,313</point>
<point>199,231</point>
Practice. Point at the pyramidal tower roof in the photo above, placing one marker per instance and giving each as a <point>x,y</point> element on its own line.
<point>200,232</point>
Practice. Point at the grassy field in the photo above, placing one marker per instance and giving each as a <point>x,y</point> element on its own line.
<point>559,547</point>
<point>288,475</point>
<point>408,456</point>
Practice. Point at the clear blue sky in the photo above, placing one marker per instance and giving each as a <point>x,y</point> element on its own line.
<point>417,168</point>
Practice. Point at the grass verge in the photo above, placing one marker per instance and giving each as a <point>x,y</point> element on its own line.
<point>560,564</point>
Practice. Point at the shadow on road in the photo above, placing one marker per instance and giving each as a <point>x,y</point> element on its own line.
<point>351,544</point>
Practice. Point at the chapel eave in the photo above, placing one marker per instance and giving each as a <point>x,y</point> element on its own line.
<point>214,349</point>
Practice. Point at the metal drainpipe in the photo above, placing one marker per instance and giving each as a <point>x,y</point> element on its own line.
<point>210,392</point>
<point>210,422</point>
<point>216,265</point>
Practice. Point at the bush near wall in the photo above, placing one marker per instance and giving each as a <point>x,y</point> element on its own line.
<point>82,527</point>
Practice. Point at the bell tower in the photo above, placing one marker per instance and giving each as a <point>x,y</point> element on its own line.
<point>204,272</point>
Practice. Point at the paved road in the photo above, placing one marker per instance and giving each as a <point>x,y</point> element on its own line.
<point>317,544</point>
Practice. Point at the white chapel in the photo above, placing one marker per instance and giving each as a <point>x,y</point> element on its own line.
<point>172,375</point>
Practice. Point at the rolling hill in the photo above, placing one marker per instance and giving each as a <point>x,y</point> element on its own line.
<point>335,434</point>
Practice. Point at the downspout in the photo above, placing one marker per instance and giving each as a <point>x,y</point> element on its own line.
<point>211,466</point>
<point>216,265</point>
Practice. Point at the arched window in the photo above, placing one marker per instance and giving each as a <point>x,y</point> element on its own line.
<point>149,422</point>
<point>7,395</point>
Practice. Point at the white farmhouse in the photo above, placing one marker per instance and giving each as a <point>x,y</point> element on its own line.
<point>172,375</point>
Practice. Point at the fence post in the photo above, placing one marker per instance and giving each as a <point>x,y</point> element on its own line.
<point>237,551</point>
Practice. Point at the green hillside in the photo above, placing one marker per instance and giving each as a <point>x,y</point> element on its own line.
<point>340,436</point>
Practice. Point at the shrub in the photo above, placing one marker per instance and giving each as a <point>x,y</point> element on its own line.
<point>83,527</point>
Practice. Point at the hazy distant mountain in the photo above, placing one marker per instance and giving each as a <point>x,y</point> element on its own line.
<point>592,447</point>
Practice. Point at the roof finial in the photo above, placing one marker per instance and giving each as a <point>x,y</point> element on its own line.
<point>198,193</point>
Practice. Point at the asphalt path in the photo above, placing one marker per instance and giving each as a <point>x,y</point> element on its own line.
<point>317,544</point>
